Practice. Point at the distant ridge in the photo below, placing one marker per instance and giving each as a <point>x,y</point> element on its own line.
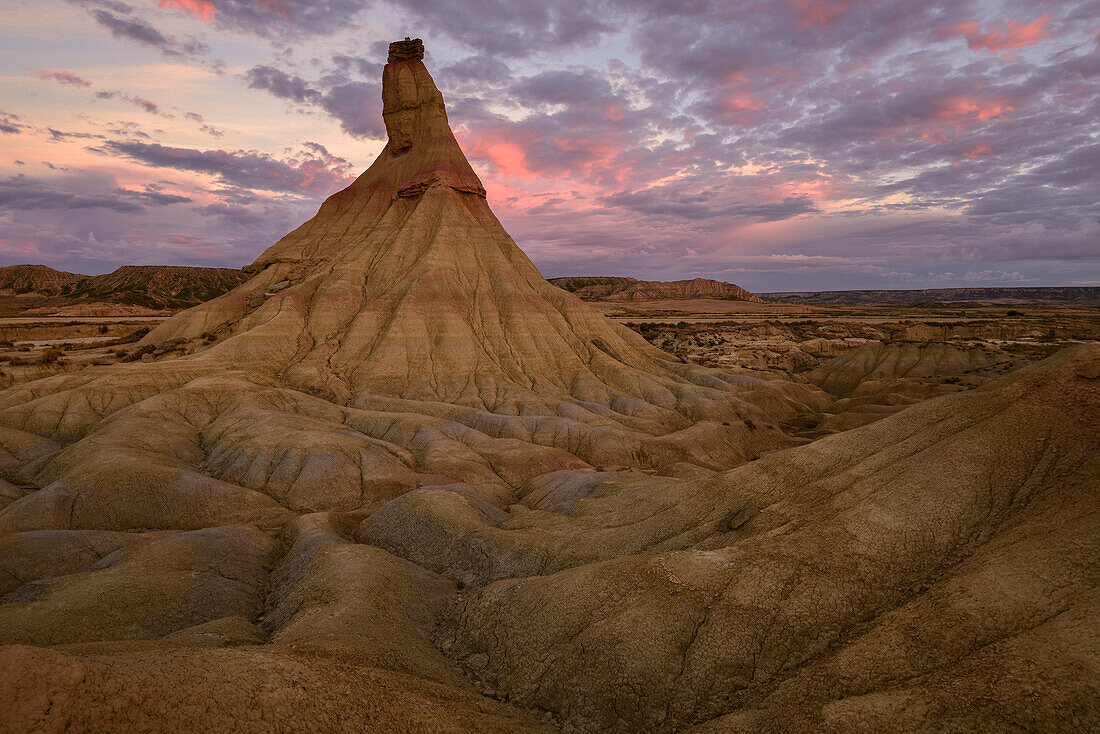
<point>36,279</point>
<point>1063,294</point>
<point>151,286</point>
<point>616,288</point>
<point>159,286</point>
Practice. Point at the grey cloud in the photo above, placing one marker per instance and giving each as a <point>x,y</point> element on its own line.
<point>282,85</point>
<point>681,202</point>
<point>358,107</point>
<point>513,28</point>
<point>562,88</point>
<point>249,169</point>
<point>22,193</point>
<point>153,197</point>
<point>355,105</point>
<point>140,31</point>
<point>10,123</point>
<point>287,19</point>
<point>59,135</point>
<point>476,69</point>
<point>148,105</point>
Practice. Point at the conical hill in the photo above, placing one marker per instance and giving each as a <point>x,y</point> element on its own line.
<point>406,285</point>
<point>398,339</point>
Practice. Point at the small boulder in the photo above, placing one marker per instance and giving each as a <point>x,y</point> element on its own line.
<point>738,517</point>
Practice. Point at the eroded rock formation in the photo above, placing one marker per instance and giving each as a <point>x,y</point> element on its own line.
<point>400,482</point>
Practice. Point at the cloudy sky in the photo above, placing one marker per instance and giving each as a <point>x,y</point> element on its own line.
<point>779,144</point>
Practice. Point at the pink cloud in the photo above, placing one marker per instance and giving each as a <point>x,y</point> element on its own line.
<point>202,9</point>
<point>1009,37</point>
<point>740,107</point>
<point>64,77</point>
<point>147,105</point>
<point>973,152</point>
<point>508,158</point>
<point>976,151</point>
<point>950,116</point>
<point>614,112</point>
<point>965,108</point>
<point>819,12</point>
<point>206,11</point>
<point>276,6</point>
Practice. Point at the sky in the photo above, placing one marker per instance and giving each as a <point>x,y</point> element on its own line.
<point>777,144</point>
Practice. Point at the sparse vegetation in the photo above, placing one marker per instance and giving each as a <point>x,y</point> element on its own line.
<point>52,356</point>
<point>138,353</point>
<point>133,336</point>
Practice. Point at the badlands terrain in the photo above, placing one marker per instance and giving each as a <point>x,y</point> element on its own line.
<point>397,481</point>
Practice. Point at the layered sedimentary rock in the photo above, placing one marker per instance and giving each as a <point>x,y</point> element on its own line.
<point>398,481</point>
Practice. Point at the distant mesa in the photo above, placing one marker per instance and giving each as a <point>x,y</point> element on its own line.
<point>158,287</point>
<point>41,279</point>
<point>604,288</point>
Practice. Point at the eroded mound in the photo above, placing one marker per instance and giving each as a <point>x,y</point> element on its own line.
<point>400,482</point>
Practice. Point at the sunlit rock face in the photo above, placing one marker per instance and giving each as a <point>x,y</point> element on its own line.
<point>398,481</point>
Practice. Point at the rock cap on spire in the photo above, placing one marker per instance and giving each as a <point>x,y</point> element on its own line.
<point>408,50</point>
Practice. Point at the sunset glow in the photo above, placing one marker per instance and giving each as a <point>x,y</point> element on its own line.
<point>653,142</point>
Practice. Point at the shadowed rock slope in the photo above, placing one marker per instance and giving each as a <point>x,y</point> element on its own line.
<point>399,482</point>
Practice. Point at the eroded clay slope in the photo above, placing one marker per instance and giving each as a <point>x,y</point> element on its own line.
<point>935,570</point>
